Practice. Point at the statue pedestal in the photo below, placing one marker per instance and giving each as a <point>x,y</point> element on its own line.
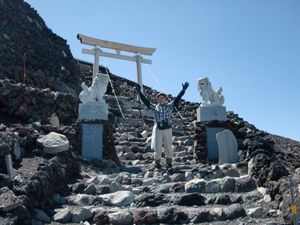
<point>205,115</point>
<point>92,141</point>
<point>211,112</point>
<point>93,115</point>
<point>93,111</point>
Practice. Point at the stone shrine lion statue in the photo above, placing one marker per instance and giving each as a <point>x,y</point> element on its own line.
<point>96,91</point>
<point>210,97</point>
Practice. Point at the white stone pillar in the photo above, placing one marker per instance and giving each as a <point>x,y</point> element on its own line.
<point>96,62</point>
<point>139,71</point>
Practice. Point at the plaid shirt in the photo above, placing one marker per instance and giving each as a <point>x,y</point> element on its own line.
<point>163,112</point>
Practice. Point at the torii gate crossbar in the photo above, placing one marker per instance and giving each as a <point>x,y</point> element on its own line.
<point>118,47</point>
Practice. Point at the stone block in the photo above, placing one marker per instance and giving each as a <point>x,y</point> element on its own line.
<point>228,147</point>
<point>92,141</point>
<point>93,111</point>
<point>211,112</point>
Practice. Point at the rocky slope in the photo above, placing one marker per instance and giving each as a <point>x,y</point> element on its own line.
<point>28,46</point>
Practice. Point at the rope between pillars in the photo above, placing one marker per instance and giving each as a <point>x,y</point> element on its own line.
<point>113,89</point>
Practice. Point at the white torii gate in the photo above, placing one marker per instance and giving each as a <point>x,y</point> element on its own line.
<point>118,47</point>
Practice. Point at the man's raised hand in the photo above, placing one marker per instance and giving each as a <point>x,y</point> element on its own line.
<point>185,85</point>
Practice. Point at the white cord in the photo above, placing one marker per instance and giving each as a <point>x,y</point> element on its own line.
<point>114,91</point>
<point>153,75</point>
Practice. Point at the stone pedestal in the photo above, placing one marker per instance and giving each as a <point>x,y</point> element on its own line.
<point>92,141</point>
<point>93,111</point>
<point>93,115</point>
<point>211,112</point>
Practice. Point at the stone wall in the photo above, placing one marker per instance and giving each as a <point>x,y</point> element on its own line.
<point>34,104</point>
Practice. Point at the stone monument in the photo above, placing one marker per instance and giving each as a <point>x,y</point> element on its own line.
<point>228,147</point>
<point>93,112</point>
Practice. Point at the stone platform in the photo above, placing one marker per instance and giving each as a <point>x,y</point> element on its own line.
<point>93,111</point>
<point>211,112</point>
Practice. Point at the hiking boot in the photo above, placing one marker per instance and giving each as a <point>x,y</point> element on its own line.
<point>170,171</point>
<point>169,165</point>
<point>157,164</point>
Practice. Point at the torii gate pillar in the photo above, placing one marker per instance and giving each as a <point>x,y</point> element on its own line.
<point>139,71</point>
<point>96,62</point>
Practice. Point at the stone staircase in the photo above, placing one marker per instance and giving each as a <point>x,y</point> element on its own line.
<point>138,193</point>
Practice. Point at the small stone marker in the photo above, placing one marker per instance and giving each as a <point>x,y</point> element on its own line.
<point>10,170</point>
<point>228,147</point>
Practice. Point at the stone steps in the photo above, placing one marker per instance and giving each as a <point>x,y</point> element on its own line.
<point>217,200</point>
<point>157,215</point>
<point>193,193</point>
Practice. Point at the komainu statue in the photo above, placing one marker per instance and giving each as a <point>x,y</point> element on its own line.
<point>210,97</point>
<point>96,91</point>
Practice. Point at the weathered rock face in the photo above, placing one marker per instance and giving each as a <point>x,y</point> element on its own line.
<point>48,60</point>
<point>26,102</point>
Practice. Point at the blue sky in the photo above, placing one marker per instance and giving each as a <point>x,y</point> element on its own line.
<point>249,47</point>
